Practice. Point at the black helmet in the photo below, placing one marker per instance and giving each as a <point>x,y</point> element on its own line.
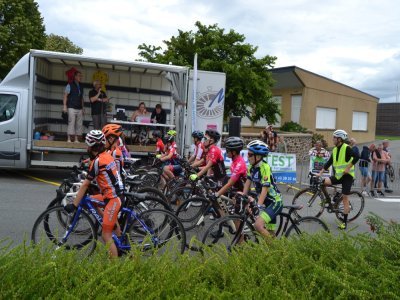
<point>197,134</point>
<point>214,134</point>
<point>156,133</point>
<point>168,139</point>
<point>234,143</point>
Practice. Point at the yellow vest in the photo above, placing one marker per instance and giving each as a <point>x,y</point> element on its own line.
<point>341,163</point>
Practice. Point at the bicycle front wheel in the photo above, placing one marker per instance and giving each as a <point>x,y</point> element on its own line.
<point>229,231</point>
<point>307,225</point>
<point>312,202</point>
<point>192,211</point>
<point>357,202</point>
<point>157,230</point>
<point>52,225</point>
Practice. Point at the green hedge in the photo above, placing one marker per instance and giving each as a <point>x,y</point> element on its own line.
<point>320,267</point>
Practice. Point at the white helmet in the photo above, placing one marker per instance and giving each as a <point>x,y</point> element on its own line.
<point>340,134</point>
<point>258,147</point>
<point>95,137</point>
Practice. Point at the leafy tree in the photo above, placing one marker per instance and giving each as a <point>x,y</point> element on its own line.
<point>61,44</point>
<point>248,80</point>
<point>21,29</point>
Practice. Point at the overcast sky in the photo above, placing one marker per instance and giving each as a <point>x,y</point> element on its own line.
<point>355,42</point>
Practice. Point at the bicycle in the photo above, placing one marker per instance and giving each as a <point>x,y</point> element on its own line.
<point>315,199</point>
<point>150,229</point>
<point>235,229</point>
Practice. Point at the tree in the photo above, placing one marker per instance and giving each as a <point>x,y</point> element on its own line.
<point>248,80</point>
<point>21,29</point>
<point>61,44</point>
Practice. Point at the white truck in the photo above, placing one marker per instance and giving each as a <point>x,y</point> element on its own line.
<point>31,102</point>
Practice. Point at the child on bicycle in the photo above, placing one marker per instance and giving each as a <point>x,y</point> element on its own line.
<point>173,168</point>
<point>112,133</point>
<point>197,158</point>
<point>269,199</point>
<point>159,142</point>
<point>104,170</point>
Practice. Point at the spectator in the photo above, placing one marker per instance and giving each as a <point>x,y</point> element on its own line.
<point>159,116</point>
<point>364,164</point>
<point>74,104</point>
<point>353,144</point>
<point>140,112</point>
<point>138,116</point>
<point>318,157</point>
<point>385,144</point>
<point>98,100</point>
<point>270,137</point>
<point>380,159</point>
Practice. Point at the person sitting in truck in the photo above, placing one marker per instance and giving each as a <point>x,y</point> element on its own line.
<point>74,105</point>
<point>140,115</point>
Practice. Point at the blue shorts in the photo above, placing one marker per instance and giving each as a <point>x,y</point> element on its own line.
<point>378,176</point>
<point>364,171</point>
<point>270,213</point>
<point>176,169</point>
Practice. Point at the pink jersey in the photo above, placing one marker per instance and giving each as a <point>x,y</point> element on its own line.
<point>238,168</point>
<point>199,150</point>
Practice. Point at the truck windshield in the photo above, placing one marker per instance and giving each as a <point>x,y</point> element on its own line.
<point>8,105</point>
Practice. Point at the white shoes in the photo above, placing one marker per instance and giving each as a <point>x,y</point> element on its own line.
<point>364,193</point>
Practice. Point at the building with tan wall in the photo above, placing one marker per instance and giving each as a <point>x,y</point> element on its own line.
<point>321,105</point>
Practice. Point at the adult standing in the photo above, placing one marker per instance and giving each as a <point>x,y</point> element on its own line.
<point>270,137</point>
<point>380,159</point>
<point>364,164</point>
<point>318,157</point>
<point>343,160</point>
<point>353,144</point>
<point>74,105</point>
<point>385,145</point>
<point>98,102</point>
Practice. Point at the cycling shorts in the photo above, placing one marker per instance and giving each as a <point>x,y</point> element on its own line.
<point>111,214</point>
<point>346,181</point>
<point>269,214</point>
<point>176,169</point>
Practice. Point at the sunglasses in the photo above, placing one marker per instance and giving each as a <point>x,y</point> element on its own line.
<point>250,154</point>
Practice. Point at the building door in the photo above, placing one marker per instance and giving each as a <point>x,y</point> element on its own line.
<point>296,108</point>
<point>8,129</point>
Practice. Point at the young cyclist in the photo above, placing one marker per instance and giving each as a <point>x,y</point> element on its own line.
<point>269,198</point>
<point>233,146</point>
<point>159,142</point>
<point>214,158</point>
<point>197,158</point>
<point>170,157</point>
<point>112,133</point>
<point>104,169</point>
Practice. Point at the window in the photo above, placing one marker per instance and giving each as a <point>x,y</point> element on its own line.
<point>263,122</point>
<point>8,105</point>
<point>296,108</point>
<point>326,118</point>
<point>360,120</point>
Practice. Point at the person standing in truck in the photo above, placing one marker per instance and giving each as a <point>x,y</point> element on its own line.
<point>74,105</point>
<point>98,101</point>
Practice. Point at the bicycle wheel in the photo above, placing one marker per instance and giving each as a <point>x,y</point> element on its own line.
<point>180,194</point>
<point>307,225</point>
<point>192,212</point>
<point>357,203</point>
<point>149,203</point>
<point>155,193</point>
<point>52,225</point>
<point>157,230</point>
<point>229,231</point>
<point>313,203</point>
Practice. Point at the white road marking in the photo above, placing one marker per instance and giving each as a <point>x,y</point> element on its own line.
<point>388,199</point>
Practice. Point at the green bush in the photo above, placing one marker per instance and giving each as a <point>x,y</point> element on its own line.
<point>293,127</point>
<point>322,267</point>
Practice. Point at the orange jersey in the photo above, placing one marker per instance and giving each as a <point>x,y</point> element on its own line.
<point>116,153</point>
<point>104,169</point>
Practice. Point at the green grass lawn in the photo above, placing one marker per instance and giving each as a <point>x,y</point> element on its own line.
<point>383,137</point>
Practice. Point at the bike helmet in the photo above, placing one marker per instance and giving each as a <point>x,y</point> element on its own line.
<point>340,134</point>
<point>95,138</point>
<point>168,139</point>
<point>171,132</point>
<point>258,147</point>
<point>112,129</point>
<point>234,143</point>
<point>157,134</point>
<point>197,134</point>
<point>214,134</point>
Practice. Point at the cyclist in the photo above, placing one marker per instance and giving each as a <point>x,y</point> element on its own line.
<point>104,169</point>
<point>233,146</point>
<point>214,158</point>
<point>170,157</point>
<point>112,133</point>
<point>269,199</point>
<point>197,158</point>
<point>159,142</point>
<point>343,160</point>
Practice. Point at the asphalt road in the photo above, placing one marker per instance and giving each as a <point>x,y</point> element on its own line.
<point>23,197</point>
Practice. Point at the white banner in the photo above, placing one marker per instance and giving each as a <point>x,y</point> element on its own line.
<point>283,165</point>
